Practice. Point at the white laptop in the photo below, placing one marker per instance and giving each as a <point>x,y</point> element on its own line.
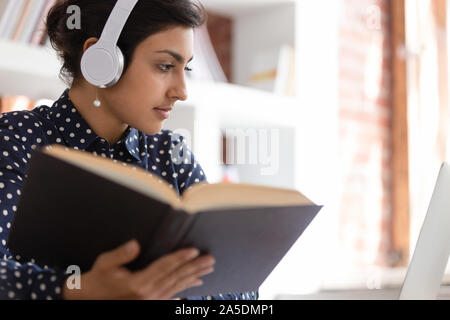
<point>427,267</point>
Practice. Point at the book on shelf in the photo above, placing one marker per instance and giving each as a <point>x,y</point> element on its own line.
<point>24,20</point>
<point>10,17</point>
<point>5,11</point>
<point>273,70</point>
<point>39,32</point>
<point>33,18</point>
<point>75,205</point>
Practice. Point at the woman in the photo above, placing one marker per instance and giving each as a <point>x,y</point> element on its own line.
<point>119,122</point>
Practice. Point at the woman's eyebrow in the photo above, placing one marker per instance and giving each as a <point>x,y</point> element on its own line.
<point>174,54</point>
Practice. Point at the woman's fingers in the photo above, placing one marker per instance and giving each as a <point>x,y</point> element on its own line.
<point>162,279</point>
<point>171,271</point>
<point>181,281</point>
<point>166,265</point>
<point>185,270</point>
<point>119,256</point>
<point>183,285</point>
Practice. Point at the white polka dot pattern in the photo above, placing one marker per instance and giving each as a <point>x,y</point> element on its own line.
<point>22,132</point>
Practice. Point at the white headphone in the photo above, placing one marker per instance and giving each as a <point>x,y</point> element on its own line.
<point>102,63</point>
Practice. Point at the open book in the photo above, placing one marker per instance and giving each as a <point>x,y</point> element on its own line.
<point>76,205</point>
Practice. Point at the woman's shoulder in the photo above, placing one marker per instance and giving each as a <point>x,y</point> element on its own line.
<point>24,125</point>
<point>36,117</point>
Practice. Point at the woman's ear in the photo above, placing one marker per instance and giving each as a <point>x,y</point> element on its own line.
<point>89,42</point>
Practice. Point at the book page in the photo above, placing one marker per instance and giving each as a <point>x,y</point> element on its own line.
<point>204,196</point>
<point>130,176</point>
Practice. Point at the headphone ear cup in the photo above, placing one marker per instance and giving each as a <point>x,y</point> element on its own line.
<point>102,65</point>
<point>121,64</point>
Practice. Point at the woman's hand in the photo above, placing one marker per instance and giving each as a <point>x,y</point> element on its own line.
<point>162,279</point>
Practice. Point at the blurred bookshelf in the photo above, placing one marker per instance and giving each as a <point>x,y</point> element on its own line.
<point>21,50</point>
<point>31,70</point>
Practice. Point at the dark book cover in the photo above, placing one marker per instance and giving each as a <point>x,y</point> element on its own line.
<point>247,244</point>
<point>68,216</point>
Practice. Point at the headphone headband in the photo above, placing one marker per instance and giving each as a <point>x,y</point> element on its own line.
<point>102,64</point>
<point>117,20</point>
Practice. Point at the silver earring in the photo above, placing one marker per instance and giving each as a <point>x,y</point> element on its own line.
<point>97,102</point>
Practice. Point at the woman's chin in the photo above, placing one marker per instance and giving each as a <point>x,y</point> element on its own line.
<point>154,129</point>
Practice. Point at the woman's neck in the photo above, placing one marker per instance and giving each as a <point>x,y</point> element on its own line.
<point>101,120</point>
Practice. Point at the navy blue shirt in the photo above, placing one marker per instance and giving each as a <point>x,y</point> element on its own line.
<point>21,132</point>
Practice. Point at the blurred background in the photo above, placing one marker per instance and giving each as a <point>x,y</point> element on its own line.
<point>343,100</point>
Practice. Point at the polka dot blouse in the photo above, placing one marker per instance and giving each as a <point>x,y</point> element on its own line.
<point>23,131</point>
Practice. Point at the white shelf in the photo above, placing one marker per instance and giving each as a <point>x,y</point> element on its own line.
<point>33,71</point>
<point>29,70</point>
<point>212,108</point>
<point>236,105</point>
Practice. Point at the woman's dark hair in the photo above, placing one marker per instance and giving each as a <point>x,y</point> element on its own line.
<point>147,18</point>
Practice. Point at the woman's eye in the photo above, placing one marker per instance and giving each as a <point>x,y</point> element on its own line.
<point>167,67</point>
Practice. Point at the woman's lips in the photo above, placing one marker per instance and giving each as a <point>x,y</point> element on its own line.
<point>162,113</point>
